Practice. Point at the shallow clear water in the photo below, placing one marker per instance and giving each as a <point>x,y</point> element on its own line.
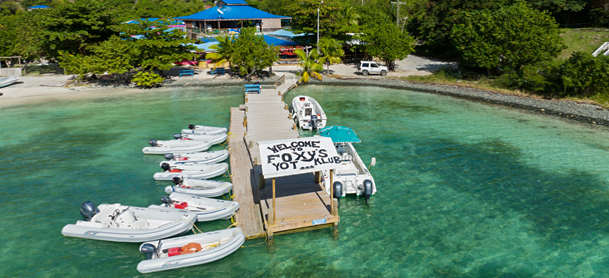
<point>464,189</point>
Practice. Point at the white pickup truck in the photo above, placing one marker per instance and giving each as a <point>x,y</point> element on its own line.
<point>370,67</point>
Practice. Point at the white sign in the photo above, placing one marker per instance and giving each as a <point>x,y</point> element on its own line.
<point>297,156</point>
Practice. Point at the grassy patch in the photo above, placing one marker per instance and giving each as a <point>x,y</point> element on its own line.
<point>585,40</point>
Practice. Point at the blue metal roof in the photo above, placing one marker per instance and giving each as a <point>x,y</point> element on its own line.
<point>277,42</point>
<point>339,134</point>
<point>230,12</point>
<point>39,7</point>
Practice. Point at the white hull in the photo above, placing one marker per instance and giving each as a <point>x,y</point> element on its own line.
<point>302,109</point>
<point>203,171</point>
<point>211,138</point>
<point>229,241</point>
<point>201,129</point>
<point>205,188</point>
<point>132,224</point>
<point>352,172</point>
<point>177,146</point>
<point>5,81</point>
<point>198,158</point>
<point>206,209</point>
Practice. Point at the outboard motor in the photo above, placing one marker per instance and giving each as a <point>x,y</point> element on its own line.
<point>87,210</point>
<point>165,166</point>
<point>148,249</point>
<point>191,126</point>
<point>166,200</point>
<point>314,121</point>
<point>177,136</point>
<point>169,156</point>
<point>153,142</point>
<point>338,189</point>
<point>177,180</point>
<point>367,189</point>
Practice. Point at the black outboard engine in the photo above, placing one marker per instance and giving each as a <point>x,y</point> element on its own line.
<point>166,200</point>
<point>176,180</point>
<point>87,210</point>
<point>153,142</point>
<point>169,156</point>
<point>177,136</point>
<point>148,249</point>
<point>314,121</point>
<point>338,189</point>
<point>165,166</point>
<point>367,189</point>
<point>191,126</point>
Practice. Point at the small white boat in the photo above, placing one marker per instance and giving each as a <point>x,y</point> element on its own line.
<point>176,146</point>
<point>205,188</point>
<point>203,129</point>
<point>194,171</point>
<point>307,113</point>
<point>5,81</point>
<point>189,250</point>
<point>201,158</point>
<point>206,209</point>
<point>116,222</point>
<point>352,175</point>
<point>212,138</point>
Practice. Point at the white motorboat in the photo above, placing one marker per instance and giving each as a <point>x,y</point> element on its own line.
<point>193,171</point>
<point>5,81</point>
<point>352,175</point>
<point>307,113</point>
<point>198,158</point>
<point>203,129</point>
<point>116,222</point>
<point>189,250</point>
<point>212,138</point>
<point>205,188</point>
<point>206,209</point>
<point>176,146</point>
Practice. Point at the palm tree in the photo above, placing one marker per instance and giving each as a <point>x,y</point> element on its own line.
<point>350,16</point>
<point>332,52</point>
<point>224,51</point>
<point>309,65</point>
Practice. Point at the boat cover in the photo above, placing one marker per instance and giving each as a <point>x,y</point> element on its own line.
<point>340,134</point>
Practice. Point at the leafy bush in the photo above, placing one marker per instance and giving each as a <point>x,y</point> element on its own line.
<point>147,79</point>
<point>582,75</point>
<point>531,78</point>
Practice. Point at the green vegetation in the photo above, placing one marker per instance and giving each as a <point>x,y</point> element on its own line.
<point>331,51</point>
<point>310,66</point>
<point>585,40</point>
<point>252,54</point>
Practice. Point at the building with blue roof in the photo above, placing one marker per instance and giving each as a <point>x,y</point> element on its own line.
<point>38,7</point>
<point>231,14</point>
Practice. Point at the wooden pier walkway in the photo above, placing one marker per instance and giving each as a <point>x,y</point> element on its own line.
<point>300,201</point>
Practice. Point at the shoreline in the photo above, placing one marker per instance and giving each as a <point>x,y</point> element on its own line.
<point>50,88</point>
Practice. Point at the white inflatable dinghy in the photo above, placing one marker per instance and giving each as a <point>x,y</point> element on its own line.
<point>189,250</point>
<point>207,209</point>
<point>116,222</point>
<point>176,146</point>
<point>205,188</point>
<point>198,158</point>
<point>211,138</point>
<point>203,129</point>
<point>193,171</point>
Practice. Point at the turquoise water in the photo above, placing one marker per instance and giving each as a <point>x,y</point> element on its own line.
<point>465,189</point>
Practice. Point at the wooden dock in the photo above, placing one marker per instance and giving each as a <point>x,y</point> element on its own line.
<point>300,201</point>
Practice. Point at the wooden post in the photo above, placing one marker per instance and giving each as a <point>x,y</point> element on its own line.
<point>245,120</point>
<point>335,207</point>
<point>331,192</point>
<point>286,107</point>
<point>278,92</point>
<point>273,202</point>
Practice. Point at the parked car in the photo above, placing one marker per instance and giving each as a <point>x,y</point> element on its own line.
<point>370,67</point>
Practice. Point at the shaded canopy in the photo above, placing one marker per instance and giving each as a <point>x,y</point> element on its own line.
<point>339,134</point>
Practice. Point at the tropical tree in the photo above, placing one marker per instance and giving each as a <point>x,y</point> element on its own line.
<point>252,54</point>
<point>304,14</point>
<point>384,40</point>
<point>225,51</point>
<point>509,37</point>
<point>331,51</point>
<point>309,65</point>
<point>350,18</point>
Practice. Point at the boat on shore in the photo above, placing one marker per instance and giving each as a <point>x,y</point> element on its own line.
<point>193,171</point>
<point>200,157</point>
<point>307,113</point>
<point>206,209</point>
<point>352,175</point>
<point>176,146</point>
<point>120,223</point>
<point>189,250</point>
<point>203,129</point>
<point>6,81</point>
<point>199,187</point>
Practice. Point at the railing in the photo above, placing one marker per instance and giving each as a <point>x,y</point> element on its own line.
<point>602,49</point>
<point>280,81</point>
